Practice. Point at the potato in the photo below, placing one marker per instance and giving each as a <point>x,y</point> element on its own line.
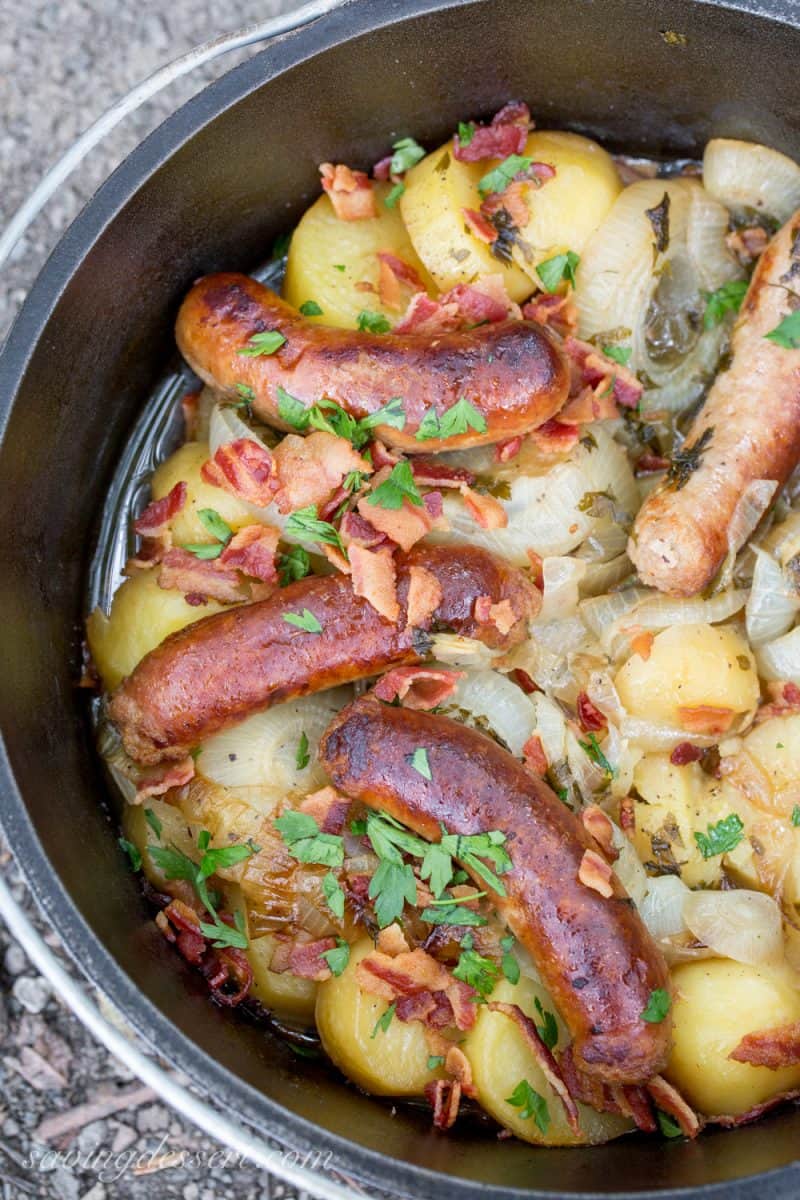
<point>283,993</point>
<point>774,747</point>
<point>392,1063</point>
<point>689,667</point>
<point>142,615</point>
<point>438,189</point>
<point>323,242</point>
<point>175,830</point>
<point>185,464</point>
<point>717,1003</point>
<point>501,1059</point>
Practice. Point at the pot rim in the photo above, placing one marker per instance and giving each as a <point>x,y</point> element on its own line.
<point>354,18</point>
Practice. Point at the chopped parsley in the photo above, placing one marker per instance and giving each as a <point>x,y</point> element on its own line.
<point>419,761</point>
<point>383,1022</point>
<point>334,896</point>
<point>593,751</point>
<point>302,757</point>
<point>177,865</point>
<point>391,887</point>
<point>548,1030</point>
<point>722,837</point>
<point>397,487</point>
<point>132,852</point>
<point>305,621</point>
<point>434,1061</point>
<point>458,419</point>
<point>725,299</point>
<point>498,179</point>
<point>658,1005</point>
<point>392,196</point>
<point>407,152</point>
<point>224,935</point>
<point>553,270</point>
<point>466,132</point>
<point>310,308</point>
<point>619,354</point>
<point>530,1104</point>
<point>154,822</point>
<point>372,322</point>
<point>686,460</point>
<point>796,816</point>
<point>204,550</point>
<point>305,525</point>
<point>669,1127</point>
<point>246,396</point>
<point>508,963</point>
<point>294,564</point>
<point>216,526</point>
<point>263,343</point>
<point>454,914</point>
<point>392,413</point>
<point>337,957</point>
<point>787,333</point>
<point>477,971</point>
<point>291,410</point>
<point>306,842</point>
<point>339,267</point>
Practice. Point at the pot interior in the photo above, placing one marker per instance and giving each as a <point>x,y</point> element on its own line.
<point>210,191</point>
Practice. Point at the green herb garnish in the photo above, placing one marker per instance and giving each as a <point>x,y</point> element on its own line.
<point>658,1005</point>
<point>338,956</point>
<point>686,460</point>
<point>302,757</point>
<point>306,842</point>
<point>407,152</point>
<point>548,1030</point>
<point>477,971</point>
<point>333,894</point>
<point>722,837</point>
<point>154,822</point>
<point>383,1022</point>
<point>498,179</point>
<point>592,748</point>
<point>294,564</point>
<point>725,299</point>
<point>455,421</point>
<point>553,270</point>
<point>394,194</point>
<point>531,1104</point>
<point>787,333</point>
<point>619,354</point>
<point>133,853</point>
<point>262,343</point>
<point>305,621</point>
<point>419,761</point>
<point>372,322</point>
<point>310,308</point>
<point>398,486</point>
<point>305,525</point>
<point>466,132</point>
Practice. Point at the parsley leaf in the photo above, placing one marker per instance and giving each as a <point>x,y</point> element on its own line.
<point>548,1030</point>
<point>725,299</point>
<point>397,487</point>
<point>224,935</point>
<point>372,322</point>
<point>619,354</point>
<point>215,525</point>
<point>553,270</point>
<point>305,525</point>
<point>154,822</point>
<point>466,132</point>
<point>333,894</point>
<point>472,848</point>
<point>310,308</point>
<point>262,343</point>
<point>508,963</point>
<point>407,152</point>
<point>246,396</point>
<point>477,971</point>
<point>667,1125</point>
<point>454,914</point>
<point>306,842</point>
<point>437,867</point>
<point>458,419</point>
<point>419,761</point>
<point>294,564</point>
<point>392,414</point>
<point>390,887</point>
<point>305,621</point>
<point>177,865</point>
<point>394,195</point>
<point>796,815</point>
<point>384,1021</point>
<point>658,1005</point>
<point>132,852</point>
<point>722,837</point>
<point>593,751</point>
<point>216,859</point>
<point>204,550</point>
<point>291,410</point>
<point>174,863</point>
<point>338,957</point>
<point>434,1061</point>
<point>498,179</point>
<point>531,1104</point>
<point>787,333</point>
<point>302,757</point>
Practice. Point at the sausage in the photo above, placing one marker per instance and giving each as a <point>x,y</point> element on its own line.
<point>221,669</point>
<point>594,954</point>
<point>513,372</point>
<point>747,430</point>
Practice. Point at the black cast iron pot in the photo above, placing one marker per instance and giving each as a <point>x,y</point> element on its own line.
<point>209,191</point>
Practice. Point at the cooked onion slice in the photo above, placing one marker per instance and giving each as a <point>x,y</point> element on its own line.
<point>780,659</point>
<point>742,925</point>
<point>747,176</point>
<point>662,907</point>
<point>487,699</point>
<point>773,602</point>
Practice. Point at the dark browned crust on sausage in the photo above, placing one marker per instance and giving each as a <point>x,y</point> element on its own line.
<point>513,372</point>
<point>219,670</point>
<point>594,954</point>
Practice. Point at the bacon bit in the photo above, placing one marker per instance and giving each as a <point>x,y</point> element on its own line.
<point>242,468</point>
<point>593,369</point>
<point>534,756</point>
<point>501,615</point>
<point>627,816</point>
<point>424,597</point>
<point>336,558</point>
<point>462,1001</point>
<point>444,1096</point>
<point>149,554</point>
<point>705,718</point>
<point>458,1065</point>
<point>429,472</point>
<point>424,315</point>
<point>505,451</point>
<point>392,941</point>
<point>179,917</point>
<point>350,192</point>
<point>553,310</point>
<point>545,1060</point>
<point>594,872</point>
<point>381,455</point>
<point>672,1102</point>
<point>374,578</point>
<point>382,169</point>
<point>784,700</point>
<point>634,1102</point>
<point>354,529</point>
<point>590,717</point>
<point>198,578</point>
<point>524,681</point>
<point>401,975</point>
<point>219,967</point>
<point>587,407</point>
<point>484,300</point>
<point>328,510</point>
<point>480,226</point>
<point>190,403</point>
<point>555,437</point>
<point>306,961</point>
<point>154,521</point>
<point>685,753</point>
<point>420,688</point>
<point>328,808</point>
<point>773,1048</point>
<point>396,277</point>
<point>252,551</point>
<point>650,464</point>
<point>506,134</point>
<point>484,509</point>
<point>755,1113</point>
<point>422,1006</point>
<point>155,781</point>
<point>511,201</point>
<point>404,525</point>
<point>748,243</point>
<point>311,468</point>
<point>599,826</point>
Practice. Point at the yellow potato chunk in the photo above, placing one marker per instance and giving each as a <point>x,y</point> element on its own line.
<point>690,668</point>
<point>176,830</point>
<point>282,993</point>
<point>142,615</point>
<point>393,1062</point>
<point>184,465</point>
<point>671,807</point>
<point>323,243</point>
<point>501,1060</point>
<point>717,1002</point>
<point>774,747</point>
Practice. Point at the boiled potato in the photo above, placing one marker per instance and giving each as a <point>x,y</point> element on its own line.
<point>774,747</point>
<point>176,831</point>
<point>717,1002</point>
<point>185,464</point>
<point>671,804</point>
<point>392,1063</point>
<point>142,615</point>
<point>282,993</point>
<point>322,243</point>
<point>690,667</point>
<point>501,1058</point>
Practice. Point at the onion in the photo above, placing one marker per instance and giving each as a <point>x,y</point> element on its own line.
<point>662,907</point>
<point>654,302</point>
<point>783,539</point>
<point>454,650</point>
<point>227,426</point>
<point>601,576</point>
<point>602,612</point>
<point>551,726</point>
<point>780,659</point>
<point>660,612</point>
<point>742,925</point>
<point>489,698</point>
<point>588,776</point>
<point>628,868</point>
<point>773,602</point>
<point>750,508</point>
<point>562,578</point>
<point>746,175</point>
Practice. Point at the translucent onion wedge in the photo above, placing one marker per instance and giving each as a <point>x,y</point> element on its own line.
<point>773,602</point>
<point>562,578</point>
<point>628,869</point>
<point>487,699</point>
<point>662,907</point>
<point>780,659</point>
<point>748,176</point>
<point>742,925</point>
<point>653,303</point>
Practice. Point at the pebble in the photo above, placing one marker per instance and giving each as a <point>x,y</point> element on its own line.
<point>152,1119</point>
<point>15,961</point>
<point>191,1192</point>
<point>91,1137</point>
<point>98,1192</point>
<point>64,1185</point>
<point>31,992</point>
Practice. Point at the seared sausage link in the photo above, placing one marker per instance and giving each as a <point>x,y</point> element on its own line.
<point>751,425</point>
<point>223,668</point>
<point>513,372</point>
<point>594,954</point>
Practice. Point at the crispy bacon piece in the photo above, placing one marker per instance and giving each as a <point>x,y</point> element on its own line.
<point>477,303</point>
<point>465,304</point>
<point>590,717</point>
<point>430,472</point>
<point>226,971</point>
<point>424,596</point>
<point>705,718</point>
<point>306,961</point>
<point>458,1065</point>
<point>405,525</point>
<point>392,941</point>
<point>484,509</point>
<point>599,826</point>
<point>374,578</point>
<point>511,201</point>
<point>350,192</point>
<point>748,244</point>
<point>462,1003</point>
<point>355,529</point>
<point>627,816</point>
<point>505,451</point>
<point>480,226</point>
<point>156,781</point>
<point>557,311</point>
<point>602,374</point>
<point>422,688</point>
<point>500,615</point>
<point>244,469</point>
<point>180,925</point>
<point>544,1059</point>
<point>424,315</point>
<point>309,469</point>
<point>444,1096</point>
<point>199,578</point>
<point>774,1048</point>
<point>670,1101</point>
<point>594,872</point>
<point>650,464</point>
<point>154,521</point>
<point>506,134</point>
<point>784,700</point>
<point>395,278</point>
<point>642,643</point>
<point>328,808</point>
<point>534,756</point>
<point>556,437</point>
<point>755,1113</point>
<point>685,753</point>
<point>401,975</point>
<point>524,681</point>
<point>634,1102</point>
<point>251,550</point>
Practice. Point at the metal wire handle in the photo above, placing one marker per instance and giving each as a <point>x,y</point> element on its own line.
<point>19,925</point>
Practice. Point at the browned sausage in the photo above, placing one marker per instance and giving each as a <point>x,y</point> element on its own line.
<point>747,430</point>
<point>219,670</point>
<point>513,372</point>
<point>594,954</point>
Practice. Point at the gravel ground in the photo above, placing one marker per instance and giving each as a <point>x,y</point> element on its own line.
<point>74,1123</point>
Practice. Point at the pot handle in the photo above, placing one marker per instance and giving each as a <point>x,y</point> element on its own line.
<point>61,170</point>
